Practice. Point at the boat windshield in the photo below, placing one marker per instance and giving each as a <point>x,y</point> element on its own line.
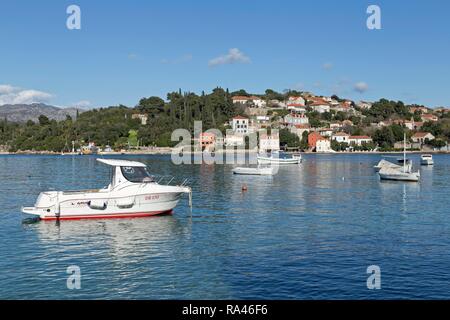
<point>136,174</point>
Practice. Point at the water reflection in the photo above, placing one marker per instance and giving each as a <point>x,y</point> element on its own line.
<point>124,239</point>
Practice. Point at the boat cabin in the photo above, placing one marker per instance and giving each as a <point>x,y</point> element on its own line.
<point>124,171</point>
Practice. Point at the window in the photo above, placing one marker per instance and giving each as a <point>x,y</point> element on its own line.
<point>136,174</point>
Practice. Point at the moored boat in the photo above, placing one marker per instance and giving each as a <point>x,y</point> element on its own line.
<point>426,160</point>
<point>254,171</point>
<point>132,193</point>
<point>279,158</point>
<point>398,173</point>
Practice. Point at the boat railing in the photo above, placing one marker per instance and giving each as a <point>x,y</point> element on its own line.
<point>171,180</point>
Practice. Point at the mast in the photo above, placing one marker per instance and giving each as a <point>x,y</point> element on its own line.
<point>404,152</point>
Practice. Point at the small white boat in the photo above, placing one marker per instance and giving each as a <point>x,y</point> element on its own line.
<point>279,158</point>
<point>398,175</point>
<point>426,160</point>
<point>254,171</point>
<point>403,173</point>
<point>131,193</point>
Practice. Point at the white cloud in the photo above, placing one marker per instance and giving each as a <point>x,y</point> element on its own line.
<point>6,89</point>
<point>15,95</point>
<point>327,66</point>
<point>234,55</point>
<point>132,56</point>
<point>361,87</point>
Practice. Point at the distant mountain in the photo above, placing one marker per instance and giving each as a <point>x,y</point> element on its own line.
<point>25,112</point>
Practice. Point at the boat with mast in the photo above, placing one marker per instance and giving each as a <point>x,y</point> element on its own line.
<point>404,173</point>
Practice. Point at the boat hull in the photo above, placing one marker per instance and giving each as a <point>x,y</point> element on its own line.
<point>71,208</point>
<point>426,162</point>
<point>266,160</point>
<point>399,176</point>
<point>106,216</point>
<point>254,171</point>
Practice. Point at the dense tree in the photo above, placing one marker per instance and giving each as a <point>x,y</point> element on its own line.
<point>289,139</point>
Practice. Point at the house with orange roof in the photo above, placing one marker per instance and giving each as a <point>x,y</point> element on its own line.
<point>318,143</point>
<point>296,100</point>
<point>422,137</point>
<point>429,117</point>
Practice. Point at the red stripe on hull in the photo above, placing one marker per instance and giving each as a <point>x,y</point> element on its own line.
<point>110,216</point>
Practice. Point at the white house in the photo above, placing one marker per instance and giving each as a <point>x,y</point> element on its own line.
<point>335,125</point>
<point>262,119</point>
<point>239,124</point>
<point>422,137</point>
<point>359,140</point>
<point>326,132</point>
<point>364,105</point>
<point>257,101</point>
<point>269,142</point>
<point>295,118</point>
<point>320,107</point>
<point>296,100</point>
<point>429,117</point>
<point>234,140</point>
<point>341,137</point>
<point>323,145</point>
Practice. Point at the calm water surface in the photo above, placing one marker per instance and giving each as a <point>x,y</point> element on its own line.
<point>309,232</point>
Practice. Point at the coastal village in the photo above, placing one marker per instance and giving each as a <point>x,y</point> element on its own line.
<point>330,136</point>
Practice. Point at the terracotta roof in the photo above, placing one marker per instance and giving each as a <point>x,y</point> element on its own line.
<point>240,118</point>
<point>420,134</point>
<point>240,98</point>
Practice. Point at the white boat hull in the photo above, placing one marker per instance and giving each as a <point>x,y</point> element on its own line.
<point>254,171</point>
<point>398,175</point>
<point>268,160</point>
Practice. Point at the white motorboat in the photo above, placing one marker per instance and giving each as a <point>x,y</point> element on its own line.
<point>254,171</point>
<point>403,173</point>
<point>132,193</point>
<point>426,160</point>
<point>279,158</point>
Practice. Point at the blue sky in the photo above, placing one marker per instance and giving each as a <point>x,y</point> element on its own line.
<point>126,50</point>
